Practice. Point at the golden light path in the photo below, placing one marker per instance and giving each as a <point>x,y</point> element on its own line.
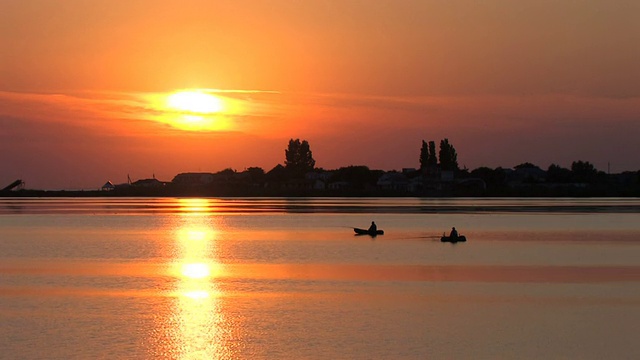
<point>200,323</point>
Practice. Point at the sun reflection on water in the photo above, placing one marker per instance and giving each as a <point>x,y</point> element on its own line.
<point>194,207</point>
<point>196,271</point>
<point>200,329</point>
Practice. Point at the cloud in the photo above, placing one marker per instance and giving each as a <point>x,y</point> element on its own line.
<point>125,113</point>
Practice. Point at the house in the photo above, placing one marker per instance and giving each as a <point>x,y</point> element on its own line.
<point>446,176</point>
<point>393,181</point>
<point>148,183</point>
<point>108,186</point>
<point>339,185</point>
<point>193,179</point>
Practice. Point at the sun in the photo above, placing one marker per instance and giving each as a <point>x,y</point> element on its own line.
<point>196,110</point>
<point>193,101</point>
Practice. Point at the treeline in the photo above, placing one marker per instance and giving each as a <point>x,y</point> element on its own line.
<point>581,180</point>
<point>438,174</point>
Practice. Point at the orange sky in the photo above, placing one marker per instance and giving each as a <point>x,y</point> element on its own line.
<point>82,84</point>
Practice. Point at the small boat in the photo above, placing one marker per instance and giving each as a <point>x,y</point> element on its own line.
<point>453,240</point>
<point>367,232</point>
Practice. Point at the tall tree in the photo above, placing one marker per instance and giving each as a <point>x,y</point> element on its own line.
<point>433,157</point>
<point>428,156</point>
<point>298,157</point>
<point>424,155</point>
<point>448,156</point>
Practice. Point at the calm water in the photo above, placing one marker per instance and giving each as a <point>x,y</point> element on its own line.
<point>287,279</point>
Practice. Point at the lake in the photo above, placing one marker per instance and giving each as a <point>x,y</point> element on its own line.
<point>286,278</point>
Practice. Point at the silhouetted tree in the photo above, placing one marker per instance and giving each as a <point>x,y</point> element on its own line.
<point>528,173</point>
<point>357,176</point>
<point>428,156</point>
<point>258,171</point>
<point>583,171</point>
<point>526,165</point>
<point>255,173</point>
<point>424,155</point>
<point>448,156</point>
<point>433,157</point>
<point>298,157</point>
<point>226,174</point>
<point>494,178</point>
<point>558,174</point>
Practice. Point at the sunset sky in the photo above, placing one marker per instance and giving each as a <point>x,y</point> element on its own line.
<point>88,87</point>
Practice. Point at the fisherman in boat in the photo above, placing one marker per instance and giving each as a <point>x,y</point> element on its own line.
<point>454,233</point>
<point>373,228</point>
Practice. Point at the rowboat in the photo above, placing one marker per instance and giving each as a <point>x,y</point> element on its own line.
<point>359,231</point>
<point>454,240</point>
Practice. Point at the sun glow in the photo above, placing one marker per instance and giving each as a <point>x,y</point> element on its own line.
<point>195,102</point>
<point>196,110</point>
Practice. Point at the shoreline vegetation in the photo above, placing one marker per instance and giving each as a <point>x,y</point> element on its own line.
<point>438,176</point>
<point>359,181</point>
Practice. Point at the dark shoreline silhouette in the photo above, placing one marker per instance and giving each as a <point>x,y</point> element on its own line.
<point>359,181</point>
<point>438,176</point>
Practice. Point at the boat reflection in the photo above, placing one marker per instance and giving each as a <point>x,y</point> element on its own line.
<point>199,329</point>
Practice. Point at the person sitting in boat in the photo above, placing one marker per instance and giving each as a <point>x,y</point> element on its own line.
<point>373,228</point>
<point>454,233</point>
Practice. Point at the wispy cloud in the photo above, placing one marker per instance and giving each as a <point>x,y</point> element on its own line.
<point>112,111</point>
